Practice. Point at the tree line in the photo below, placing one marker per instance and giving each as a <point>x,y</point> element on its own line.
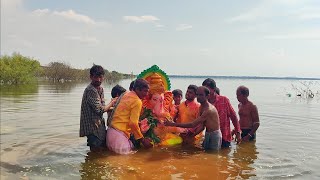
<point>18,69</point>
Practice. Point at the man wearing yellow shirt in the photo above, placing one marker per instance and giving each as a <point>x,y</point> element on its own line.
<point>125,120</point>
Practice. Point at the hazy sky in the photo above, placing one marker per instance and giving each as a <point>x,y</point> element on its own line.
<point>187,37</point>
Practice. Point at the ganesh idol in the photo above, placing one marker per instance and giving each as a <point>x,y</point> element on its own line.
<point>157,108</point>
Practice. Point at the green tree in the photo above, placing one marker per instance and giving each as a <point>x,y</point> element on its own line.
<point>18,69</point>
<point>60,71</point>
<point>57,71</point>
<point>113,75</point>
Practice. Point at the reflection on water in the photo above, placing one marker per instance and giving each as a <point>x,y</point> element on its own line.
<point>112,83</point>
<point>94,168</point>
<point>172,163</point>
<point>245,155</point>
<point>161,163</point>
<point>58,87</point>
<point>40,126</point>
<point>18,90</point>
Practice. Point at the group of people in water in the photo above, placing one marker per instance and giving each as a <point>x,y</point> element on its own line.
<point>150,115</point>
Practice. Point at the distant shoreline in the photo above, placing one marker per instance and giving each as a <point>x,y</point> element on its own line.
<point>243,77</point>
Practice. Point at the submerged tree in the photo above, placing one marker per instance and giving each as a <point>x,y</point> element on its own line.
<point>18,69</point>
<point>58,71</point>
<point>306,89</point>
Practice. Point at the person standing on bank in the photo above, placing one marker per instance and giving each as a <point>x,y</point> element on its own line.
<point>92,123</point>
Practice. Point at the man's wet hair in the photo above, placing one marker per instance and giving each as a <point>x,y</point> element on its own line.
<point>243,90</point>
<point>193,87</point>
<point>177,92</point>
<point>210,83</point>
<point>140,84</point>
<point>117,90</point>
<point>96,70</point>
<point>206,90</point>
<point>131,85</point>
<point>217,90</point>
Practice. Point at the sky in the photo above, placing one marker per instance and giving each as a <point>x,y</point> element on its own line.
<point>183,37</point>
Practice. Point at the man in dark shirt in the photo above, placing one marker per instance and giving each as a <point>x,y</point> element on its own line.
<point>92,123</point>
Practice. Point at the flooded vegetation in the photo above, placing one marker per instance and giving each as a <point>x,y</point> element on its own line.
<point>18,69</point>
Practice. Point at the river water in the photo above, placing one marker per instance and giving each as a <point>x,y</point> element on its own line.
<point>40,127</point>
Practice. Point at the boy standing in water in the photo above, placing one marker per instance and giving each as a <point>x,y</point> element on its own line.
<point>248,113</point>
<point>93,106</point>
<point>177,96</point>
<point>117,90</point>
<point>208,119</point>
<point>174,108</point>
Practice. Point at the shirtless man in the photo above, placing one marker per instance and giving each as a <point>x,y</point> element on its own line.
<point>226,113</point>
<point>248,113</point>
<point>208,118</point>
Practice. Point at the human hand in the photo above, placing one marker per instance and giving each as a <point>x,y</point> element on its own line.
<point>233,132</point>
<point>186,135</point>
<point>147,143</point>
<point>144,126</point>
<point>176,109</point>
<point>238,138</point>
<point>168,123</point>
<point>113,101</point>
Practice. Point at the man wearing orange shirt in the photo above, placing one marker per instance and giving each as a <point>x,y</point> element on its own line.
<point>188,111</point>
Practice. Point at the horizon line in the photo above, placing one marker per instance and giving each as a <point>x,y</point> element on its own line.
<point>247,77</point>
